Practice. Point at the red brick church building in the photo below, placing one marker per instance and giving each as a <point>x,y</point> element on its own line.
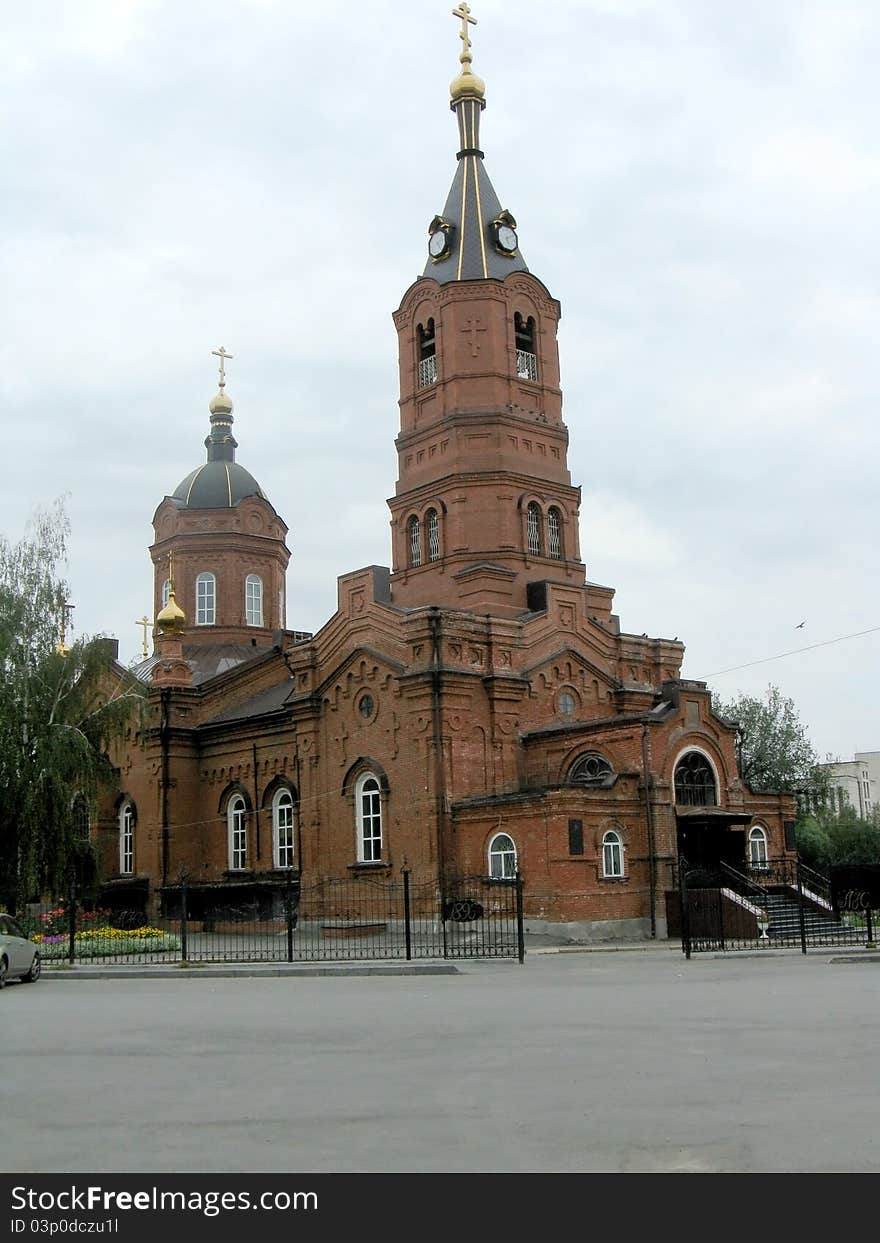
<point>476,709</point>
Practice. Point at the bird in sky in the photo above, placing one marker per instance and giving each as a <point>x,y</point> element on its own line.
<point>801,625</point>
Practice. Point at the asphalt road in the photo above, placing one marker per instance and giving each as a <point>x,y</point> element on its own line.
<point>573,1062</point>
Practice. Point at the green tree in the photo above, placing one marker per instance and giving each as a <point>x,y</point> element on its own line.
<point>775,752</point>
<point>58,713</point>
<point>828,837</point>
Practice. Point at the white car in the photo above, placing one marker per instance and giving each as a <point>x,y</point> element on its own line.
<point>19,957</point>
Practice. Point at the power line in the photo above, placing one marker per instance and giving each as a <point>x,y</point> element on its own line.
<point>827,643</point>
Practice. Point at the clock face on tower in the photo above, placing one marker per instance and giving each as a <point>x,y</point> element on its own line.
<point>506,238</point>
<point>438,244</point>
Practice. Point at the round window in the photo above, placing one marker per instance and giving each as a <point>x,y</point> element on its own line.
<point>366,706</point>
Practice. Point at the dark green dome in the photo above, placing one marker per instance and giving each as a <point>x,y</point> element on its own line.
<point>216,485</point>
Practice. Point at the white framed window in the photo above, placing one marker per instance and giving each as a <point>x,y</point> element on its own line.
<point>612,854</point>
<point>757,847</point>
<point>368,805</point>
<point>554,533</point>
<point>282,621</point>
<point>283,827</point>
<point>432,527</point>
<point>253,600</point>
<point>502,857</point>
<point>415,541</point>
<point>533,529</point>
<point>236,822</point>
<point>206,599</point>
<point>166,592</point>
<point>126,838</point>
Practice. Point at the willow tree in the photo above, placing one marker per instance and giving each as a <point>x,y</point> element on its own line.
<point>60,708</point>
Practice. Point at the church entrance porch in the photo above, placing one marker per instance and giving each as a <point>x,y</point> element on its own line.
<point>710,836</point>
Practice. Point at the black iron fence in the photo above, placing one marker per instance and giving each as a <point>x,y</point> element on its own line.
<point>778,903</point>
<point>364,918</point>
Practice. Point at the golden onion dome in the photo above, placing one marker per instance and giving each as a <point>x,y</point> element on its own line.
<point>221,402</point>
<point>171,619</point>
<point>467,83</point>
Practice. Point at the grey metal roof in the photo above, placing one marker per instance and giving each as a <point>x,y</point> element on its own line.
<point>471,206</point>
<point>207,660</point>
<point>266,701</point>
<point>216,485</point>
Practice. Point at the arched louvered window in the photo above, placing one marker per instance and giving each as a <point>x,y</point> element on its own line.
<point>533,529</point>
<point>427,354</point>
<point>526,357</point>
<point>253,600</point>
<point>432,529</point>
<point>414,532</point>
<point>695,782</point>
<point>554,533</point>
<point>206,599</point>
<point>502,857</point>
<point>166,592</point>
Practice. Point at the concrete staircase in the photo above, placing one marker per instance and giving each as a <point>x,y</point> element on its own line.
<point>782,907</point>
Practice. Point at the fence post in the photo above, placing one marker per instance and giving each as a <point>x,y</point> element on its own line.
<point>802,921</point>
<point>684,897</point>
<point>520,931</point>
<point>183,919</point>
<point>721,912</point>
<point>71,922</point>
<point>407,915</point>
<point>288,910</point>
<point>870,927</point>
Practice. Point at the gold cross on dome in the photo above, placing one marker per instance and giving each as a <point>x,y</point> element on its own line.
<point>464,12</point>
<point>222,355</point>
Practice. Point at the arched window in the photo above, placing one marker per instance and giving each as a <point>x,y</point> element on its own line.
<point>368,806</point>
<point>526,358</point>
<point>236,824</point>
<point>80,816</point>
<point>695,782</point>
<point>166,592</point>
<point>414,533</point>
<point>567,703</point>
<point>591,769</point>
<point>554,534</point>
<point>757,847</point>
<point>612,854</point>
<point>432,528</point>
<point>206,598</point>
<point>427,354</point>
<point>502,857</point>
<point>533,529</point>
<point>126,838</point>
<point>253,600</point>
<point>282,622</point>
<point>283,829</point>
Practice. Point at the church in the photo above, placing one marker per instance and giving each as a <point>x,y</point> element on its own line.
<point>475,709</point>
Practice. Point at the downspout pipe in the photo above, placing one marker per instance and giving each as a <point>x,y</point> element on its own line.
<point>652,862</point>
<point>164,730</point>
<point>439,770</point>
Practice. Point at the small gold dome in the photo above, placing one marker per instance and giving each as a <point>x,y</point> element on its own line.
<point>172,618</point>
<point>467,83</point>
<point>221,402</point>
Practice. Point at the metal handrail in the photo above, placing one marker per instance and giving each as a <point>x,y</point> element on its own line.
<point>742,879</point>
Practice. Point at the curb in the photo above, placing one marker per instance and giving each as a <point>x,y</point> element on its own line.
<point>246,971</point>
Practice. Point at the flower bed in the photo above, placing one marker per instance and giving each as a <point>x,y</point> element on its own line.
<point>107,943</point>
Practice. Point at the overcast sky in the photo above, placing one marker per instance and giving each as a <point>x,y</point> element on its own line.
<point>697,182</point>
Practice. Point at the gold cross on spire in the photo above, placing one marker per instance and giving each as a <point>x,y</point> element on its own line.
<point>464,12</point>
<point>222,355</point>
<point>144,623</point>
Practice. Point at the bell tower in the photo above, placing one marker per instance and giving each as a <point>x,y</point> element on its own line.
<point>484,504</point>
